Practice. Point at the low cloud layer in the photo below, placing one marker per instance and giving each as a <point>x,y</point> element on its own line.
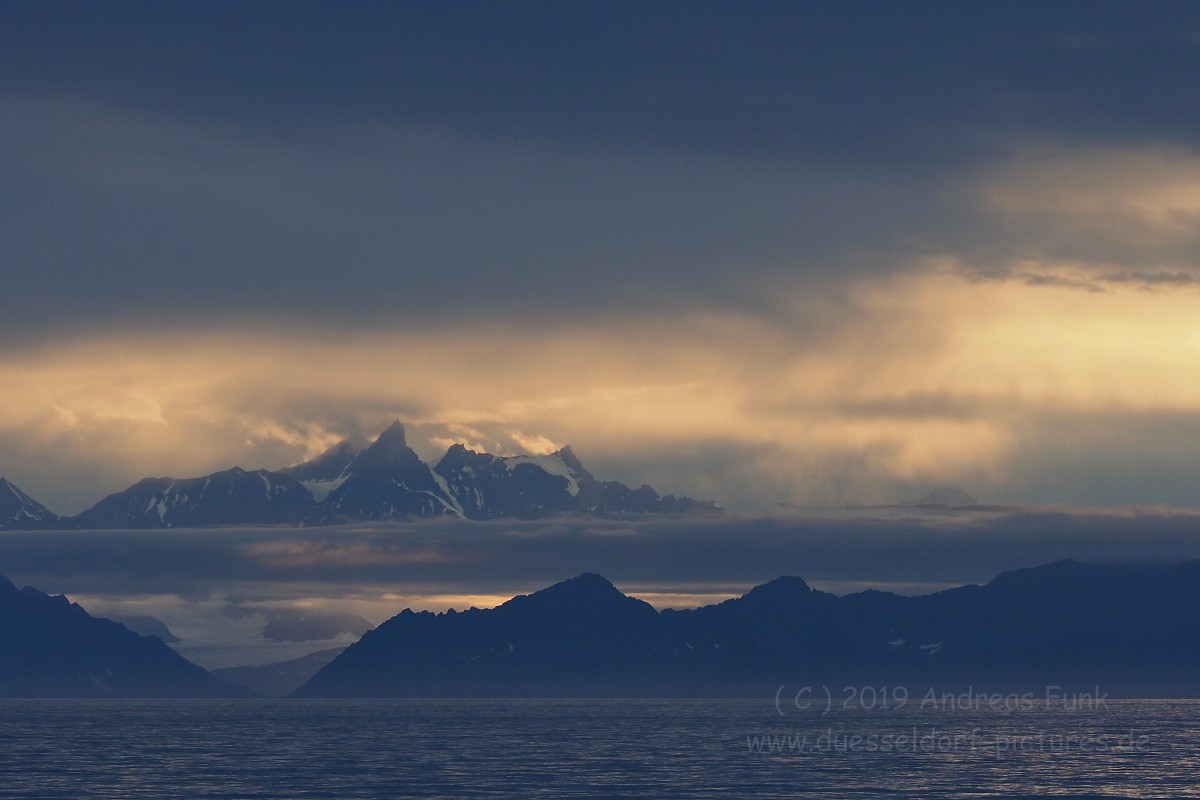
<point>259,595</point>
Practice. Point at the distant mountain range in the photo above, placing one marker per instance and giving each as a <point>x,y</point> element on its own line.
<point>1064,627</point>
<point>384,480</point>
<point>280,678</point>
<point>1046,632</point>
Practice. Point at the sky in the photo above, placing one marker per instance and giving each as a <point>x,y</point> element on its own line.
<point>776,255</point>
<point>809,253</point>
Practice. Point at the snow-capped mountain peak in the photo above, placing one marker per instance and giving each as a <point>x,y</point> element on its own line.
<point>18,509</point>
<point>385,480</point>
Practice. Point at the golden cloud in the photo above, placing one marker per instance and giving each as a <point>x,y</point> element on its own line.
<point>927,376</point>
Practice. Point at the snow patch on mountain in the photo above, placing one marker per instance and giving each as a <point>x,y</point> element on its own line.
<point>18,509</point>
<point>551,464</point>
<point>319,490</point>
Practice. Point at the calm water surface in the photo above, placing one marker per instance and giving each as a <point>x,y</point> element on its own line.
<point>591,749</point>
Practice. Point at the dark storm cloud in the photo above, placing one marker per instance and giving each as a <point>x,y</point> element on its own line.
<point>860,78</point>
<point>394,160</point>
<point>137,219</point>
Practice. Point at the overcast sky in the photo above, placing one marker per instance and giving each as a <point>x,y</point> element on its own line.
<point>813,253</point>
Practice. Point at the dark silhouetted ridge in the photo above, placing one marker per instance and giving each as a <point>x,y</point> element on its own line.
<point>786,589</point>
<point>586,588</point>
<point>1130,630</point>
<point>1054,575</point>
<point>53,648</point>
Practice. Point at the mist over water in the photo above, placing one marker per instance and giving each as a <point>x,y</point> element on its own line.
<point>596,749</point>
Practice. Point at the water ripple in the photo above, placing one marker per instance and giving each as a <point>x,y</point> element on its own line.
<point>587,749</point>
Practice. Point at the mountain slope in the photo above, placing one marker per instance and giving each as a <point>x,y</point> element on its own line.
<point>327,471</point>
<point>553,641</point>
<point>1130,631</point>
<point>19,510</point>
<point>484,486</point>
<point>53,648</point>
<point>386,480</point>
<point>231,497</point>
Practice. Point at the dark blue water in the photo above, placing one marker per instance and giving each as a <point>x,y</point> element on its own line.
<point>591,749</point>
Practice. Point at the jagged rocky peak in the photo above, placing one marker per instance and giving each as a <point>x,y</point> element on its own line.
<point>459,455</point>
<point>566,455</point>
<point>392,438</point>
<point>383,480</point>
<point>389,449</point>
<point>485,486</point>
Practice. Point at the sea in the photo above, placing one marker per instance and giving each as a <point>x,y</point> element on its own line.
<point>776,747</point>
